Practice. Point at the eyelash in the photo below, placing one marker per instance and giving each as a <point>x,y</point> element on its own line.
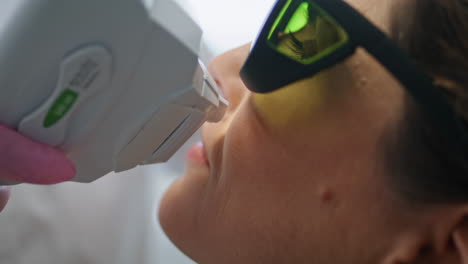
<point>296,46</point>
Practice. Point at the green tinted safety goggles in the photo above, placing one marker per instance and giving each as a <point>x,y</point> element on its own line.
<point>303,37</point>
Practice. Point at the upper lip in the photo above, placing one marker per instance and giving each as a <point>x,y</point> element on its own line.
<point>205,148</point>
<point>213,151</point>
<point>207,156</point>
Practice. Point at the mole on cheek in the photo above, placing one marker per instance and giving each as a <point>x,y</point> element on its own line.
<point>326,194</point>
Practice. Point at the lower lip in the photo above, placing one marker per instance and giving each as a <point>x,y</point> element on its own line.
<point>196,154</point>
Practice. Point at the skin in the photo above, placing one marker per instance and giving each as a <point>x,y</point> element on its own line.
<point>305,184</point>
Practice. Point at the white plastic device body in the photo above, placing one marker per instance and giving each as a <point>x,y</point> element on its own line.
<point>113,83</point>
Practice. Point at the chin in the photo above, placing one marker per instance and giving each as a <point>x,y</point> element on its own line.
<point>178,211</point>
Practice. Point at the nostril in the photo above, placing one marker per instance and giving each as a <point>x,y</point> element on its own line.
<point>218,83</point>
<point>221,87</point>
<point>214,74</point>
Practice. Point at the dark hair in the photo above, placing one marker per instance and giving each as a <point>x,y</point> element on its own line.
<point>435,34</point>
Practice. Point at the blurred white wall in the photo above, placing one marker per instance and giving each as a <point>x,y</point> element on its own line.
<point>227,23</point>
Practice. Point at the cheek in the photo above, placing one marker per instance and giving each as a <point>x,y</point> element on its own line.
<point>263,165</point>
<point>292,104</point>
<point>268,198</point>
<point>277,164</point>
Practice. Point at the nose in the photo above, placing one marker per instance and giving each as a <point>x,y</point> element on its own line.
<point>225,70</point>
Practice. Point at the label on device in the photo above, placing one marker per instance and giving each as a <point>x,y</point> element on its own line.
<point>82,74</point>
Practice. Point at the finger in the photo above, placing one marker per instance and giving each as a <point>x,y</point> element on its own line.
<point>23,160</point>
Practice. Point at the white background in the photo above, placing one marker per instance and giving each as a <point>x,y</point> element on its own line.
<point>228,23</point>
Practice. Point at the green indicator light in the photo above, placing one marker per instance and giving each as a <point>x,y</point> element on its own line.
<point>60,107</point>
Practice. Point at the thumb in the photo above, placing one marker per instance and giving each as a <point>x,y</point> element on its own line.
<point>25,161</point>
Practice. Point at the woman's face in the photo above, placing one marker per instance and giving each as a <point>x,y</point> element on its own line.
<point>294,176</point>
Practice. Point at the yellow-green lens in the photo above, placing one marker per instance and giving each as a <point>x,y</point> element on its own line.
<point>305,32</point>
<point>299,20</point>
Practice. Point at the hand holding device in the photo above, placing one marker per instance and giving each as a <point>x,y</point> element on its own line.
<point>113,83</point>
